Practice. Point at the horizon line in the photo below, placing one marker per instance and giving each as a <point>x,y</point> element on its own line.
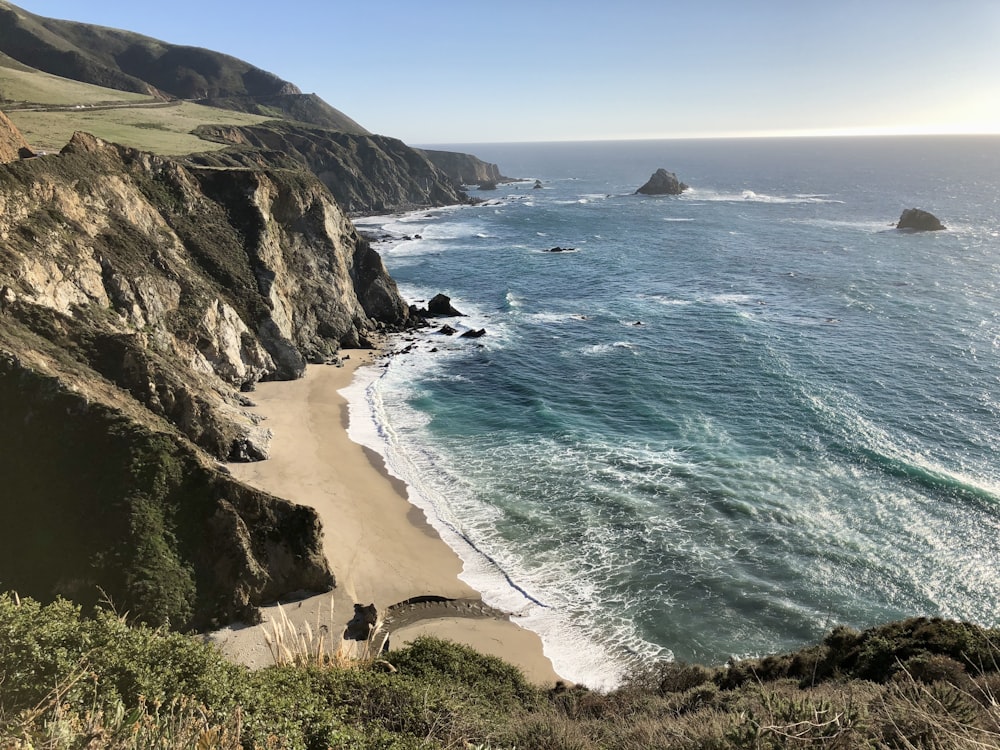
<point>773,135</point>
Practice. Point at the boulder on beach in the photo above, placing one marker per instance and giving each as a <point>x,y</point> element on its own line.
<point>918,220</point>
<point>662,183</point>
<point>360,627</point>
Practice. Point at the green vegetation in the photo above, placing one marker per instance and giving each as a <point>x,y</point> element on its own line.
<point>161,128</point>
<point>69,681</point>
<point>27,87</point>
<point>132,514</point>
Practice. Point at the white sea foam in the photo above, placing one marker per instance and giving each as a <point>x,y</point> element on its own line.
<point>733,299</point>
<point>750,196</point>
<point>556,317</point>
<point>601,349</point>
<point>574,653</point>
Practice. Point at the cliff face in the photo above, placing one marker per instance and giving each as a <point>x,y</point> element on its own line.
<point>102,501</point>
<point>366,173</point>
<point>138,299</point>
<point>465,169</point>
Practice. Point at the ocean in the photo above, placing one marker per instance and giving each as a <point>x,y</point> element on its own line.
<point>721,423</point>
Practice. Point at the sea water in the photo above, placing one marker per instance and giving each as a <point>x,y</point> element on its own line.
<point>721,423</point>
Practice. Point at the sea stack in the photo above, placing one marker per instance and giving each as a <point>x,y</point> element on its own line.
<point>918,220</point>
<point>662,183</point>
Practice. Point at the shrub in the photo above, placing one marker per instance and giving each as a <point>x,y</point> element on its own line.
<point>487,677</point>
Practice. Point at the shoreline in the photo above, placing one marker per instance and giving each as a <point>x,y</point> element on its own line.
<point>380,547</point>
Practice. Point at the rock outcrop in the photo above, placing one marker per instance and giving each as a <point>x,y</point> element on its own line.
<point>139,298</point>
<point>662,183</point>
<point>918,220</point>
<point>12,143</point>
<point>440,307</point>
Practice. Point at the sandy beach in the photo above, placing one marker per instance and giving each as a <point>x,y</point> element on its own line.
<point>379,546</point>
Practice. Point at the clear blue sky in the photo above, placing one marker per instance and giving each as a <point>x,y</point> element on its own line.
<point>461,71</point>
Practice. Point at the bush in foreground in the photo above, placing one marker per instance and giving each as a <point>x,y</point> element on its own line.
<point>67,681</point>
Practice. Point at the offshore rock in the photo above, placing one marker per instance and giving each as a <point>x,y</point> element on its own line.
<point>662,182</point>
<point>918,220</point>
<point>440,307</point>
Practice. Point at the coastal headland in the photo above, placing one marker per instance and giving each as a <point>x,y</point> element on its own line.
<point>380,547</point>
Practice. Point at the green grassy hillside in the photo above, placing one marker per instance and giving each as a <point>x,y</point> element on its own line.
<point>21,86</point>
<point>163,128</point>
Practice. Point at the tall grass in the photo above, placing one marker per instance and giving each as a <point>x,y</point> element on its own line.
<point>319,645</point>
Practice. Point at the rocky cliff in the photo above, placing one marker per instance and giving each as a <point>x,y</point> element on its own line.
<point>465,169</point>
<point>367,174</point>
<point>141,298</point>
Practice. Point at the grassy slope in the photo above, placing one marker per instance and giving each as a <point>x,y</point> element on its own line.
<point>44,108</point>
<point>162,129</point>
<point>21,85</point>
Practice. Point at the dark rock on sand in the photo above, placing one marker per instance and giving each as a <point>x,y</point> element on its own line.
<point>918,220</point>
<point>362,624</point>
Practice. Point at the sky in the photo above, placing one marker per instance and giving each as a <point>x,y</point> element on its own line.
<point>466,71</point>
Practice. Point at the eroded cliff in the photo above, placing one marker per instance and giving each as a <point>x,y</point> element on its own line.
<point>140,299</point>
<point>367,174</point>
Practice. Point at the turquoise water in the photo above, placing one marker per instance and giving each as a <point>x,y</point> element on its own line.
<point>803,431</point>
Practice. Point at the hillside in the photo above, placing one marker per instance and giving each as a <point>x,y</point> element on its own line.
<point>125,61</point>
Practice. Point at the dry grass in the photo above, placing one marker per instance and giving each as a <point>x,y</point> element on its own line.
<point>320,645</point>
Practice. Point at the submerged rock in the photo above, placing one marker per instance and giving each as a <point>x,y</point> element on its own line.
<point>918,220</point>
<point>662,182</point>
